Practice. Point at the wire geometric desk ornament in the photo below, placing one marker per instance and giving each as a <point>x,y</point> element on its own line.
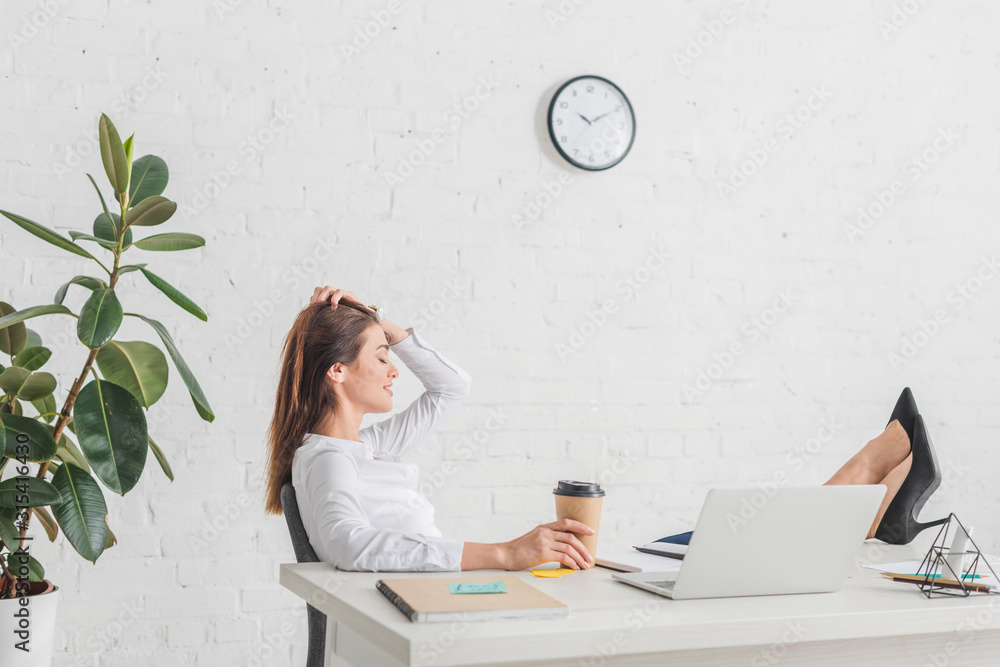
<point>948,563</point>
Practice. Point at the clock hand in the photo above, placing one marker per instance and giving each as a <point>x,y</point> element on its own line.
<point>599,117</point>
<point>589,122</point>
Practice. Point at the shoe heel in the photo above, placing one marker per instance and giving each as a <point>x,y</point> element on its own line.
<point>899,524</point>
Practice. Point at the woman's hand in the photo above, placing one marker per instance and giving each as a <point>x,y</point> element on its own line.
<point>549,542</point>
<point>333,295</point>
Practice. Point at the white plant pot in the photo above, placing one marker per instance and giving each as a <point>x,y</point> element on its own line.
<point>41,628</point>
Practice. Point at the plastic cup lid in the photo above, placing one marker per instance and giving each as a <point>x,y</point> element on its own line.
<point>569,487</point>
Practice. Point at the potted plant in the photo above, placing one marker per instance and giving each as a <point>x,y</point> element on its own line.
<point>49,474</point>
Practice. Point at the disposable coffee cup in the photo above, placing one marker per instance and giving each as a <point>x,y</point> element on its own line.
<point>581,501</point>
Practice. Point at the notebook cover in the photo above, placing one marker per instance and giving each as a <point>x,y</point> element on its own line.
<point>416,597</point>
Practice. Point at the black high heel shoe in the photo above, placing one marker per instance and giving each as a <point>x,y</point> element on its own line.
<point>899,524</point>
<point>905,411</point>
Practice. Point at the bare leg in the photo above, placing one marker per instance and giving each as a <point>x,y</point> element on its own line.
<point>893,481</point>
<point>877,459</point>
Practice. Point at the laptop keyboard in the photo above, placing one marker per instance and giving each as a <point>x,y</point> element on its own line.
<point>663,585</point>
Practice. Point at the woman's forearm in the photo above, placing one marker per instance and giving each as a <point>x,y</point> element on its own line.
<point>479,556</point>
<point>396,333</point>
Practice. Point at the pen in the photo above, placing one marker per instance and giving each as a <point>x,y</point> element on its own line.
<point>938,576</point>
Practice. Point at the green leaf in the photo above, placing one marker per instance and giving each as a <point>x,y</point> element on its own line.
<point>13,378</point>
<point>7,409</point>
<point>111,541</point>
<point>175,295</point>
<point>37,386</point>
<point>8,532</point>
<point>200,402</point>
<point>32,358</point>
<point>109,230</point>
<point>34,340</point>
<point>151,211</point>
<point>47,234</point>
<point>41,446</point>
<point>149,178</point>
<point>129,268</point>
<point>112,431</point>
<point>104,206</point>
<point>162,460</point>
<point>83,515</point>
<point>33,311</point>
<point>170,241</point>
<point>113,155</point>
<point>69,452</point>
<point>50,525</point>
<point>46,406</point>
<point>38,492</point>
<point>35,570</point>
<point>84,281</point>
<point>76,236</point>
<point>128,153</point>
<point>13,338</point>
<point>138,366</point>
<point>99,319</point>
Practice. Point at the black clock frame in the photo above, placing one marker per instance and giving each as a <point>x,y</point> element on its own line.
<point>552,134</point>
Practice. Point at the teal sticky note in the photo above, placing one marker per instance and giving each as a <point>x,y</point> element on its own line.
<point>492,587</point>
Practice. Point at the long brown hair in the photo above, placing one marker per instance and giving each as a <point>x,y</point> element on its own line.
<point>320,337</point>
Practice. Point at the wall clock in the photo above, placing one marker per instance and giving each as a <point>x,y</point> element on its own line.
<point>591,123</point>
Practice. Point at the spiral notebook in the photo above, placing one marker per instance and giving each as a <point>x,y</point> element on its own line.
<point>427,599</point>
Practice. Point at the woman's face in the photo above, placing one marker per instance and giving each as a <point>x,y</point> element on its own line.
<point>371,374</point>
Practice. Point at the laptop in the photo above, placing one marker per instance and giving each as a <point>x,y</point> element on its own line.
<point>769,541</point>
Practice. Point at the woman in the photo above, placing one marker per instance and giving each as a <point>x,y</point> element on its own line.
<point>360,505</point>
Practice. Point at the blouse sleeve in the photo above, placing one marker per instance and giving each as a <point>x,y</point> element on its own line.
<point>346,535</point>
<point>445,386</point>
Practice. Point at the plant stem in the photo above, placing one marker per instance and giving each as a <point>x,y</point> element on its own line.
<point>6,581</point>
<point>74,391</point>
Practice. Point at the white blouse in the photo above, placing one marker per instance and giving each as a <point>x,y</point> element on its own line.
<point>359,504</point>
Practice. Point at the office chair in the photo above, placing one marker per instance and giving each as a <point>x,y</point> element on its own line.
<point>304,553</point>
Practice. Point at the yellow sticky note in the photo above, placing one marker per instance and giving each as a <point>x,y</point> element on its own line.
<point>552,573</point>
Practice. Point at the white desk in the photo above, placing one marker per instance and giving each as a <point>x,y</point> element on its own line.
<point>870,621</point>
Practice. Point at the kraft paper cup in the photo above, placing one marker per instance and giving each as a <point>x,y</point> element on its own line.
<point>581,501</point>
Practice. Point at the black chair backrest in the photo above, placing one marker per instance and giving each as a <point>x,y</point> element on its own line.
<point>304,553</point>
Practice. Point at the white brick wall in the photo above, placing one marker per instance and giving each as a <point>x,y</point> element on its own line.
<point>311,135</point>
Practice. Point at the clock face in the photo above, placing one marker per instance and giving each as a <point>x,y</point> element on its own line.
<point>591,123</point>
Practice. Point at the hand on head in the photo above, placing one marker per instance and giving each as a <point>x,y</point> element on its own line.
<point>333,295</point>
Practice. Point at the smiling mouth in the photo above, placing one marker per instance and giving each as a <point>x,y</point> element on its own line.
<point>388,390</point>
